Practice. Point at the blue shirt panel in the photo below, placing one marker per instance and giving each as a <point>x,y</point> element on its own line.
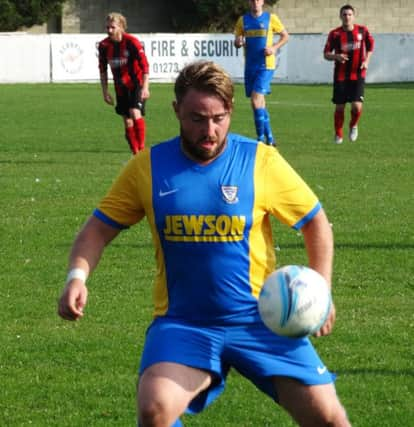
<point>194,207</point>
<point>255,45</point>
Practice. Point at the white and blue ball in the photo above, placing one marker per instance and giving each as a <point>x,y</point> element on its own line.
<point>294,301</point>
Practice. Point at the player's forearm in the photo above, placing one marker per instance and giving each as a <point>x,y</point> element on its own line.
<point>104,82</point>
<point>368,57</point>
<point>89,245</point>
<point>318,238</point>
<point>283,39</point>
<point>86,253</point>
<point>330,56</point>
<point>145,81</point>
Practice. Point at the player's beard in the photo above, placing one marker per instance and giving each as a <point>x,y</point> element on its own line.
<point>195,150</point>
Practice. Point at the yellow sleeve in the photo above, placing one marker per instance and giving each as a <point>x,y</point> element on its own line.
<point>129,197</point>
<point>238,29</point>
<point>284,193</point>
<point>276,24</point>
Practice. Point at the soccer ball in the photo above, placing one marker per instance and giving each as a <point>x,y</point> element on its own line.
<point>294,301</point>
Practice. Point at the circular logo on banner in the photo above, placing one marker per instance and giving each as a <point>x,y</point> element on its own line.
<point>71,57</point>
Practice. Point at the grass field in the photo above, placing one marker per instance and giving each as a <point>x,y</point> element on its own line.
<point>60,148</point>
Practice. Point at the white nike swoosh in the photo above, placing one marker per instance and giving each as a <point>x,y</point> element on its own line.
<point>322,370</point>
<point>166,193</point>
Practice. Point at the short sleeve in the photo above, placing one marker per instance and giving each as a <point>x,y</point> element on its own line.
<point>285,194</point>
<point>276,24</point>
<point>125,201</point>
<point>238,29</point>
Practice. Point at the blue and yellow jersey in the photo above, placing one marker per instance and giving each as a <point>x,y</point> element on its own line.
<point>210,224</point>
<point>258,33</point>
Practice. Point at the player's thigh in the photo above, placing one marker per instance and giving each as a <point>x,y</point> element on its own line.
<point>170,387</point>
<point>310,405</point>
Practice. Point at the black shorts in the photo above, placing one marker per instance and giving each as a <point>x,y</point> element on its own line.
<point>348,91</point>
<point>129,99</point>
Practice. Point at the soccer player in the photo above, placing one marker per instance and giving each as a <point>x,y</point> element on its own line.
<point>255,31</point>
<point>351,47</point>
<point>126,57</point>
<point>208,202</point>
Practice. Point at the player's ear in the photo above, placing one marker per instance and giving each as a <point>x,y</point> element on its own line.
<point>175,107</point>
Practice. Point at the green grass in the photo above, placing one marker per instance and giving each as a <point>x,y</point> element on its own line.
<point>61,147</point>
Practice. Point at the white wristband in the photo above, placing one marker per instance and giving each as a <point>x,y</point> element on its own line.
<point>76,273</point>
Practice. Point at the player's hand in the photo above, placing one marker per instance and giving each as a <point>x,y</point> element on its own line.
<point>145,94</point>
<point>108,99</point>
<point>328,325</point>
<point>364,65</point>
<point>342,58</point>
<point>269,51</point>
<point>239,42</point>
<point>73,300</point>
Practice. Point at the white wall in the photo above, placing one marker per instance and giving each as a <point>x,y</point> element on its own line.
<point>24,58</point>
<point>392,60</point>
<point>73,57</point>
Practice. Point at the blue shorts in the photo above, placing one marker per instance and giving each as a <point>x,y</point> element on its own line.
<point>254,351</point>
<point>258,81</point>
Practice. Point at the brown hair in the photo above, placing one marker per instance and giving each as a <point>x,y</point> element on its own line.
<point>207,77</point>
<point>117,17</point>
<point>346,7</point>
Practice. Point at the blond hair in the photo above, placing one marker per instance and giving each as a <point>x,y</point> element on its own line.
<point>118,18</point>
<point>207,77</point>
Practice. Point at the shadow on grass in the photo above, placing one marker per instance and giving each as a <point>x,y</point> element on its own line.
<point>114,245</point>
<point>37,161</point>
<point>130,245</point>
<point>395,85</point>
<point>26,162</point>
<point>378,245</point>
<point>371,371</point>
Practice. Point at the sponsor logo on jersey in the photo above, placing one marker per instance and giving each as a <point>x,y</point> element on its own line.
<point>117,62</point>
<point>256,33</point>
<point>348,47</point>
<point>204,228</point>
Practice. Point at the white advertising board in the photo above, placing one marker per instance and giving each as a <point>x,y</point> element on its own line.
<point>75,56</point>
<point>24,58</point>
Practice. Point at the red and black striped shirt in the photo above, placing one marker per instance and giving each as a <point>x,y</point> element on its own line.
<point>127,60</point>
<point>355,44</point>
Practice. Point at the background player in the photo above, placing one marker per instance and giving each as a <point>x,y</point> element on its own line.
<point>351,47</point>
<point>255,31</point>
<point>206,199</point>
<point>125,55</point>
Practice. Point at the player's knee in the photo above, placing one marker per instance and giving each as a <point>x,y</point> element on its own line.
<point>153,413</point>
<point>330,417</point>
<point>128,122</point>
<point>158,410</point>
